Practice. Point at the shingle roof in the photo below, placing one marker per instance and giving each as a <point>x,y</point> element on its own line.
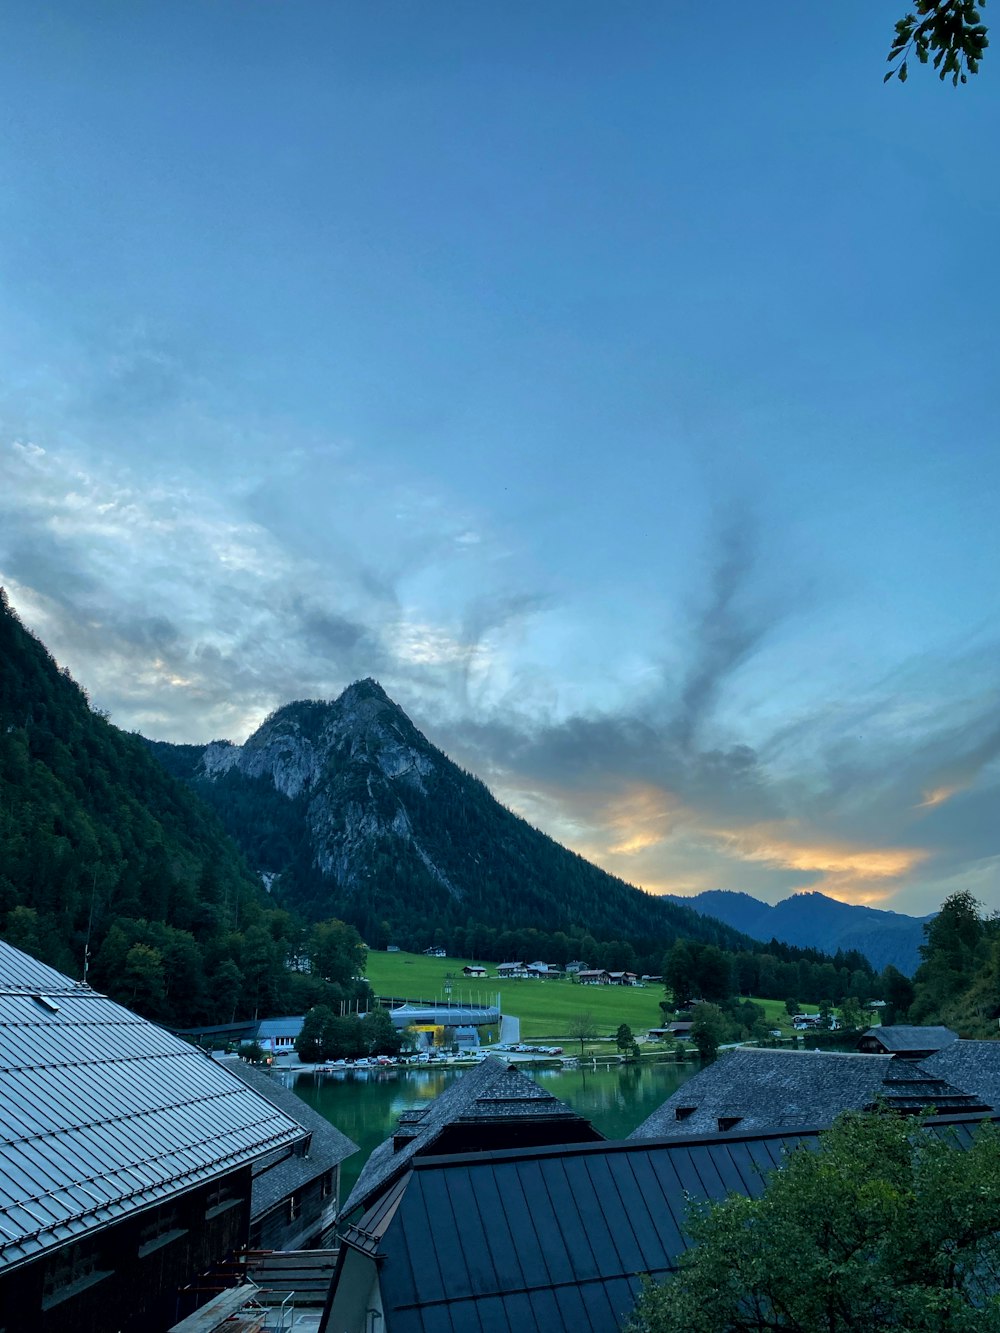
<point>761,1089</point>
<point>277,1176</point>
<point>103,1113</point>
<point>973,1065</point>
<point>902,1037</point>
<point>490,1091</point>
<point>554,1239</point>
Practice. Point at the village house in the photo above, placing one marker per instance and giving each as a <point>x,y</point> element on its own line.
<point>575,965</point>
<point>623,979</point>
<point>543,970</point>
<point>473,970</point>
<point>435,951</point>
<point>594,977</point>
<point>126,1161</point>
<point>508,970</point>
<point>277,1036</point>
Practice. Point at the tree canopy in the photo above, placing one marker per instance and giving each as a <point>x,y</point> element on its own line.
<point>887,1225</point>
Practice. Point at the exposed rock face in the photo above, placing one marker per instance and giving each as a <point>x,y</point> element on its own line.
<point>361,743</point>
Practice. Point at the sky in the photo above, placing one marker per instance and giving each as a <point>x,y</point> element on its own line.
<point>614,383</point>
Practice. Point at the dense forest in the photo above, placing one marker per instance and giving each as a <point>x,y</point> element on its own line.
<point>109,864</point>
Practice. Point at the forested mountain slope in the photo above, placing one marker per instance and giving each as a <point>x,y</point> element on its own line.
<point>98,842</point>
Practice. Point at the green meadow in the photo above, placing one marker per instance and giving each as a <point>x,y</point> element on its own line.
<point>545,1008</point>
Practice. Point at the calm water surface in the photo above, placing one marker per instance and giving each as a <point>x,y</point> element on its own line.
<point>365,1104</point>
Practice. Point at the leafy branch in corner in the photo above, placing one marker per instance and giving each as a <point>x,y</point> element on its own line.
<point>948,33</point>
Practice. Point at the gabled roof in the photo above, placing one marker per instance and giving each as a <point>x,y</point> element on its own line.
<point>491,1092</point>
<point>757,1089</point>
<point>974,1065</point>
<point>513,1241</point>
<point>902,1037</point>
<point>289,1026</point>
<point>103,1114</point>
<point>279,1174</point>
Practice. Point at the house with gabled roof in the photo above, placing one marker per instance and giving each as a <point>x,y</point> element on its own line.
<point>753,1089</point>
<point>126,1158</point>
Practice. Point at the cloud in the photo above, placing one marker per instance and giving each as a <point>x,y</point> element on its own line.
<point>190,613</point>
<point>728,629</point>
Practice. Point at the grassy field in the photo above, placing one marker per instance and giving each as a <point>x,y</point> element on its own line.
<point>545,1008</point>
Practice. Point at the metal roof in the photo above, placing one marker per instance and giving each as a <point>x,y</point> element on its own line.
<point>288,1026</point>
<point>554,1239</point>
<point>445,1015</point>
<point>102,1113</point>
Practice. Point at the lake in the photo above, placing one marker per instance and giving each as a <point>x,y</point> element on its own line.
<point>365,1104</point>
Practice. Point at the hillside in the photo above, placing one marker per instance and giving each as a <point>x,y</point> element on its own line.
<point>361,816</point>
<point>812,920</point>
<point>97,841</point>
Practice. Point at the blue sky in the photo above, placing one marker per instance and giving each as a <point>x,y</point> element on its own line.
<point>614,383</point>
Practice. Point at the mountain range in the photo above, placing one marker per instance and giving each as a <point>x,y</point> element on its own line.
<point>815,921</point>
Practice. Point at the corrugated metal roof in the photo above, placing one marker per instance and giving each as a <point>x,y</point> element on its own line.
<point>554,1239</point>
<point>102,1113</point>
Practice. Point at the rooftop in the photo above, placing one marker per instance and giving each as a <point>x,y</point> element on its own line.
<point>903,1037</point>
<point>555,1239</point>
<point>490,1092</point>
<point>974,1065</point>
<point>757,1089</point>
<point>103,1114</point>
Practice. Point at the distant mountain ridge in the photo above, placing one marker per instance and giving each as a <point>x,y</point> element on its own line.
<point>361,816</point>
<point>812,920</point>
